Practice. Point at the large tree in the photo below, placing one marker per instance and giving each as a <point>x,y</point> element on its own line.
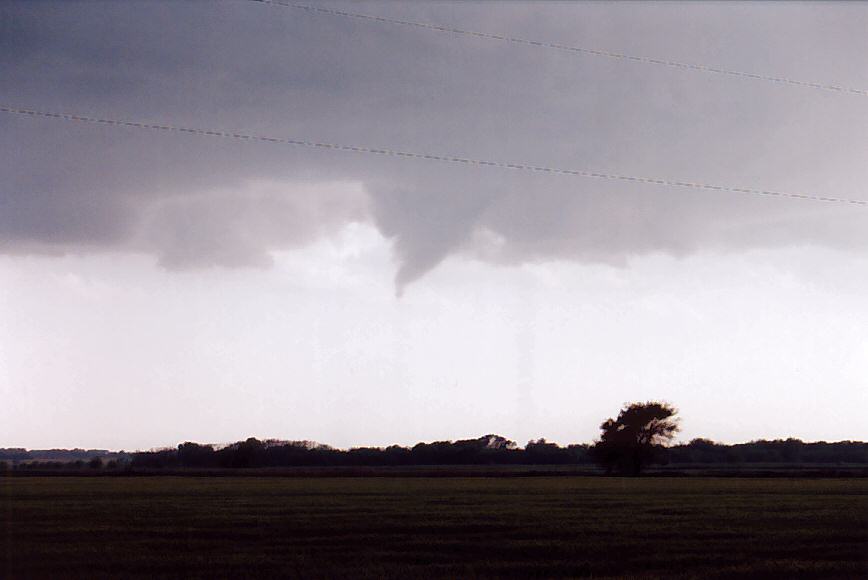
<point>633,440</point>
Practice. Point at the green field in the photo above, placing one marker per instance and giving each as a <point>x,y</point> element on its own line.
<point>542,527</point>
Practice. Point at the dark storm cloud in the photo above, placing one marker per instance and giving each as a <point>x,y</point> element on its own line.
<point>240,66</point>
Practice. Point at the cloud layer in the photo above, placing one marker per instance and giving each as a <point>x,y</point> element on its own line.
<point>194,202</point>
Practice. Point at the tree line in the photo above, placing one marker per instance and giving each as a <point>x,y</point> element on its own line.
<point>256,453</point>
<point>639,436</point>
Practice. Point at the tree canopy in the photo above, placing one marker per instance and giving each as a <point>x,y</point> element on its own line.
<point>635,438</point>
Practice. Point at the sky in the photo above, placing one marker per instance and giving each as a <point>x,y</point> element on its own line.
<point>158,287</point>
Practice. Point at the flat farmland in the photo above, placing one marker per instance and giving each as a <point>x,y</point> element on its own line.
<point>443,527</point>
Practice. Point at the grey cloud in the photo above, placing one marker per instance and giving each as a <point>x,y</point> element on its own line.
<point>283,72</point>
<point>236,228</point>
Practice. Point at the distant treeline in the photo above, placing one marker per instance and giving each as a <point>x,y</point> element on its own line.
<point>61,455</point>
<point>777,451</point>
<point>487,450</point>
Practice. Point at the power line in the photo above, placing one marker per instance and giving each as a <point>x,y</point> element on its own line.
<point>573,49</point>
<point>422,156</point>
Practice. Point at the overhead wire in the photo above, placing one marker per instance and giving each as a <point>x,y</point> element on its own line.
<point>444,158</point>
<point>568,48</point>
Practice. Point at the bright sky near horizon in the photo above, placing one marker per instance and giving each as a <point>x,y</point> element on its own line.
<point>156,288</point>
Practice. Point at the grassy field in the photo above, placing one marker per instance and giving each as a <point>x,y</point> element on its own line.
<point>565,527</point>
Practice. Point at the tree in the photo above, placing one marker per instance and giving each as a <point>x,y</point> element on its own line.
<point>635,439</point>
<point>248,453</point>
<point>195,455</point>
<point>541,452</point>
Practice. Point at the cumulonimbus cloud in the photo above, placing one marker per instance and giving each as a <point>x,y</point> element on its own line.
<point>196,202</point>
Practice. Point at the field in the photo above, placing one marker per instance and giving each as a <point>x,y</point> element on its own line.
<point>393,527</point>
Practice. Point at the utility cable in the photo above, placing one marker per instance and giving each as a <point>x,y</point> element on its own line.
<point>568,48</point>
<point>421,156</point>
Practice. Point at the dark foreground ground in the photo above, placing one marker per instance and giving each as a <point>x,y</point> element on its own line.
<point>564,527</point>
